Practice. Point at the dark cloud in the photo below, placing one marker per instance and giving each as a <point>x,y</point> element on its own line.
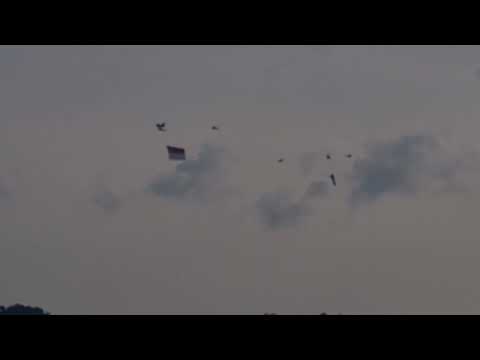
<point>192,179</point>
<point>307,162</point>
<point>277,210</point>
<point>316,189</point>
<point>399,167</point>
<point>107,200</point>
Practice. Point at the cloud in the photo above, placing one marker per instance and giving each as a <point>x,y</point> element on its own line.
<point>107,201</point>
<point>316,189</point>
<point>277,210</point>
<point>192,179</point>
<point>401,167</point>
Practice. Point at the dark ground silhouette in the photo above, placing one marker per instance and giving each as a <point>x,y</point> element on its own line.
<point>19,309</point>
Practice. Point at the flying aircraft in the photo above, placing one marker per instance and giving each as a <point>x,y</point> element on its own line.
<point>215,128</point>
<point>349,156</point>
<point>161,127</point>
<point>281,160</point>
<point>329,157</point>
<point>334,182</point>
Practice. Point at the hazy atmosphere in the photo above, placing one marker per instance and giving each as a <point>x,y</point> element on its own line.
<point>95,218</point>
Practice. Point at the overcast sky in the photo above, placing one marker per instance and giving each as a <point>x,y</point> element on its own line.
<point>94,219</point>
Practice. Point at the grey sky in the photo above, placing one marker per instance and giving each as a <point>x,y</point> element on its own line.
<point>308,161</point>
<point>107,200</point>
<point>4,192</point>
<point>98,221</point>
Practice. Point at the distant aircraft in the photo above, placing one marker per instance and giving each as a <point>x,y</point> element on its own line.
<point>349,156</point>
<point>215,128</point>
<point>176,153</point>
<point>161,127</point>
<point>329,156</point>
<point>334,182</point>
<point>281,160</point>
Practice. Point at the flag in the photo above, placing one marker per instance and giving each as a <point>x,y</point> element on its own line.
<point>175,153</point>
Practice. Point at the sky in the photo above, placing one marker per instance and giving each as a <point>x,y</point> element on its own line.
<point>94,218</point>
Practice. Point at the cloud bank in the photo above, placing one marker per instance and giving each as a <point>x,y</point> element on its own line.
<point>278,211</point>
<point>192,179</point>
<point>402,166</point>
